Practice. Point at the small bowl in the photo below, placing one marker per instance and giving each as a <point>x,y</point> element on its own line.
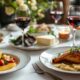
<point>64,32</point>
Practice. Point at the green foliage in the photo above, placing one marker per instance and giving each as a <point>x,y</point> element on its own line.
<point>41,5</point>
<point>21,13</point>
<point>36,7</point>
<point>14,5</point>
<point>32,29</point>
<point>75,48</point>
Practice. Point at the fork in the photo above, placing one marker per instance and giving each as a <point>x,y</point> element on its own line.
<point>40,71</point>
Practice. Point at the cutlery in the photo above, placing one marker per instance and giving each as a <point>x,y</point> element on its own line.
<point>40,71</point>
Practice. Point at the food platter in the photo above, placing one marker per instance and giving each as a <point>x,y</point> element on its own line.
<point>33,47</point>
<point>22,57</point>
<point>47,56</point>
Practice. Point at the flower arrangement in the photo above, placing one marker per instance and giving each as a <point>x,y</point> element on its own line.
<point>9,9</point>
<point>11,6</point>
<point>37,8</point>
<point>34,9</point>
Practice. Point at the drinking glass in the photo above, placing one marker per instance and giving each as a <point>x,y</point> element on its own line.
<point>74,20</point>
<point>56,15</point>
<point>56,12</point>
<point>22,22</point>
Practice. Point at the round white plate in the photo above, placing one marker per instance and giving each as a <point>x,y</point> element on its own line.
<point>21,55</point>
<point>49,54</point>
<point>34,47</point>
<point>4,43</point>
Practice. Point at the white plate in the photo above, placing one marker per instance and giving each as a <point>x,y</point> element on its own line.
<point>47,56</point>
<point>34,47</point>
<point>22,56</point>
<point>4,43</point>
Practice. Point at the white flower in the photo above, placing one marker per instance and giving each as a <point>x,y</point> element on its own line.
<point>19,2</point>
<point>34,8</point>
<point>34,2</point>
<point>41,15</point>
<point>23,7</point>
<point>9,10</point>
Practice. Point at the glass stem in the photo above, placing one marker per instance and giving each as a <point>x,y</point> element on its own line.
<point>56,21</point>
<point>23,38</point>
<point>74,33</point>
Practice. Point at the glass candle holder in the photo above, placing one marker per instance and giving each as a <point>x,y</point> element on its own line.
<point>64,32</point>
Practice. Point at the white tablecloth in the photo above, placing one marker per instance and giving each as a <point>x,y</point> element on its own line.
<point>28,72</point>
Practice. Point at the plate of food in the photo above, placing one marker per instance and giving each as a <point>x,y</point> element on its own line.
<point>62,59</point>
<point>41,29</point>
<point>12,60</point>
<point>31,42</point>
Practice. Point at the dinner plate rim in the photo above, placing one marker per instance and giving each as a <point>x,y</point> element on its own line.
<point>34,47</point>
<point>28,58</point>
<point>57,69</point>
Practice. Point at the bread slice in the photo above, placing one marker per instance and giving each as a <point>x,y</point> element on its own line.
<point>45,40</point>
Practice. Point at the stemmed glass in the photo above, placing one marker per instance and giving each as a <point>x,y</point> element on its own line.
<point>56,13</point>
<point>22,22</point>
<point>74,20</point>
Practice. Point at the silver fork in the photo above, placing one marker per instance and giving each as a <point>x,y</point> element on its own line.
<point>40,71</point>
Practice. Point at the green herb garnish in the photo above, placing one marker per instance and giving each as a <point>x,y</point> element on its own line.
<point>32,30</point>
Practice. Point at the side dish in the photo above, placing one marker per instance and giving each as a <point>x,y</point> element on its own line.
<point>7,61</point>
<point>45,40</point>
<point>64,33</point>
<point>43,28</point>
<point>29,40</point>
<point>40,29</point>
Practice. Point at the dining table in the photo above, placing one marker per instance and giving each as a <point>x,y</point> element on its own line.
<point>28,72</point>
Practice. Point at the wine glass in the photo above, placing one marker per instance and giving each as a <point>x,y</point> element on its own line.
<point>56,12</point>
<point>56,15</point>
<point>22,22</point>
<point>74,20</point>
